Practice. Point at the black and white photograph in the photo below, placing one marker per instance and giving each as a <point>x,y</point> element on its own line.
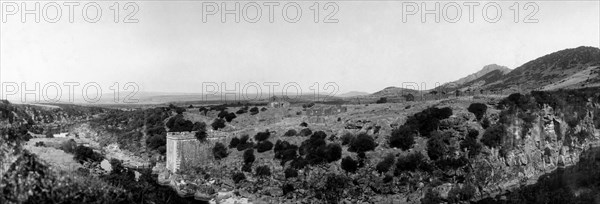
<point>299,102</point>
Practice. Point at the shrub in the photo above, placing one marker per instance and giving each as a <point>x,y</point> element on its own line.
<point>218,124</point>
<point>49,134</point>
<point>333,152</point>
<point>494,136</point>
<point>349,165</point>
<point>290,173</point>
<point>303,124</point>
<point>436,148</point>
<point>385,164</point>
<point>290,132</point>
<point>199,126</point>
<point>69,146</point>
<point>247,167</point>
<point>249,156</point>
<point>229,117</point>
<point>263,171</point>
<point>262,136</point>
<point>347,138</point>
<point>201,135</point>
<point>254,111</point>
<point>299,163</point>
<point>305,132</point>
<point>471,145</point>
<point>472,133</point>
<point>478,109</point>
<point>428,120</point>
<point>402,137</point>
<point>287,188</point>
<point>234,142</point>
<point>485,123</point>
<point>219,151</point>
<point>263,109</point>
<point>410,162</point>
<point>388,178</point>
<point>83,153</point>
<point>362,143</point>
<point>285,151</point>
<point>264,146</point>
<point>40,144</point>
<point>222,114</point>
<point>178,124</point>
<point>381,100</point>
<point>238,177</point>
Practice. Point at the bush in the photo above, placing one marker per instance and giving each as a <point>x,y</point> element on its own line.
<point>178,124</point>
<point>263,109</point>
<point>69,146</point>
<point>436,147</point>
<point>199,126</point>
<point>201,135</point>
<point>290,173</point>
<point>285,151</point>
<point>238,177</point>
<point>262,136</point>
<point>410,162</point>
<point>254,111</point>
<point>402,137</point>
<point>40,144</point>
<point>305,132</point>
<point>362,143</point>
<point>218,124</point>
<point>428,120</point>
<point>347,138</point>
<point>264,146</point>
<point>494,136</point>
<point>471,145</point>
<point>287,188</point>
<point>333,152</point>
<point>290,132</point>
<point>219,151</point>
<point>247,167</point>
<point>485,123</point>
<point>385,164</point>
<point>478,109</point>
<point>303,124</point>
<point>49,135</point>
<point>249,156</point>
<point>229,117</point>
<point>83,153</point>
<point>349,165</point>
<point>381,100</point>
<point>234,142</point>
<point>263,171</point>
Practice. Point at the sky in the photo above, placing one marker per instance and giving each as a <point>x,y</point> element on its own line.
<point>373,44</point>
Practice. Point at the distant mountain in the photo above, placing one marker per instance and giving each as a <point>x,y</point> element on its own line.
<point>352,94</point>
<point>570,68</point>
<point>393,91</point>
<point>486,70</point>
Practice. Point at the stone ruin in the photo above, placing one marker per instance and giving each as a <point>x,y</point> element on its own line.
<point>184,150</point>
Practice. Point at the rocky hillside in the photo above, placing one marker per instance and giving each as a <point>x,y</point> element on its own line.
<point>570,68</point>
<point>489,70</point>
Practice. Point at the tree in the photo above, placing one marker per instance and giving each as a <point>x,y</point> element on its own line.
<point>478,109</point>
<point>362,143</point>
<point>347,138</point>
<point>303,124</point>
<point>402,137</point>
<point>264,146</point>
<point>409,162</point>
<point>156,141</point>
<point>229,117</point>
<point>199,126</point>
<point>83,153</point>
<point>219,151</point>
<point>381,100</point>
<point>349,165</point>
<point>218,124</point>
<point>385,164</point>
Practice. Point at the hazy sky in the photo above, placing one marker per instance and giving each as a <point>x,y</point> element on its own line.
<point>170,49</point>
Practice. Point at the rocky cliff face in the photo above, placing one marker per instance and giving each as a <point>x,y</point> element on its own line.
<point>550,144</point>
